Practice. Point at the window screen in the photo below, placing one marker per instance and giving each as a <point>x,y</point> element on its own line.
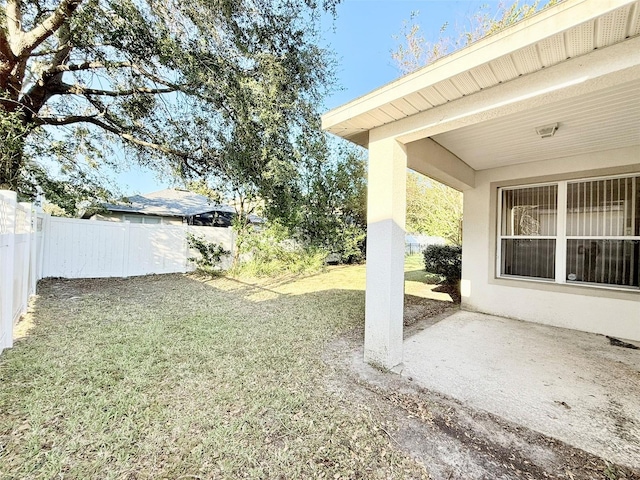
<point>528,230</point>
<point>602,231</point>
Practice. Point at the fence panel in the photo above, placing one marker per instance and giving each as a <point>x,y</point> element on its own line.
<point>21,259</point>
<point>7,241</point>
<point>221,236</point>
<point>94,249</point>
<point>156,249</point>
<point>84,249</point>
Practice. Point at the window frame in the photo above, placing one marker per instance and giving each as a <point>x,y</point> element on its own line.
<point>561,238</point>
<point>143,219</point>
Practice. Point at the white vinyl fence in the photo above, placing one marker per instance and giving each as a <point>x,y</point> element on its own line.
<point>93,249</point>
<point>35,245</point>
<point>17,262</point>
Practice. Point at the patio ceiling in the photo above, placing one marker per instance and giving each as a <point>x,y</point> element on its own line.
<point>605,115</point>
<point>588,123</point>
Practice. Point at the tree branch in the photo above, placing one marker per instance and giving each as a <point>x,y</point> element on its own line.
<point>14,25</point>
<point>80,90</point>
<point>151,76</point>
<point>5,48</point>
<point>43,53</point>
<point>87,66</point>
<point>49,25</point>
<point>43,89</point>
<point>99,65</point>
<point>95,120</point>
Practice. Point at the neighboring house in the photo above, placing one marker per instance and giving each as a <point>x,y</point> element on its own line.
<point>172,206</point>
<point>539,126</point>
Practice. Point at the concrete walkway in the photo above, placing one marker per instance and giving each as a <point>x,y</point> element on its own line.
<point>569,385</point>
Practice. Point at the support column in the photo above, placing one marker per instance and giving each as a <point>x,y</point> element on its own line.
<point>386,212</point>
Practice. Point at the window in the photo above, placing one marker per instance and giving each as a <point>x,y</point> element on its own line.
<point>528,229</point>
<point>582,232</point>
<point>142,219</point>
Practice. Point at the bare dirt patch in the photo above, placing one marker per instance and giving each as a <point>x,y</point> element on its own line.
<point>420,312</point>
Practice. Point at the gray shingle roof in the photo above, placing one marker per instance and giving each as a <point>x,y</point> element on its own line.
<point>170,202</point>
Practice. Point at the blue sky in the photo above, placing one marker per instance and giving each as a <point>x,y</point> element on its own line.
<point>362,38</point>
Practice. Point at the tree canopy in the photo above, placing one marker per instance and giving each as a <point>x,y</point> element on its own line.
<point>194,87</point>
<point>433,209</point>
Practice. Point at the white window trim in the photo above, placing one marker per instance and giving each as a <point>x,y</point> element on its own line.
<point>143,218</point>
<point>561,236</point>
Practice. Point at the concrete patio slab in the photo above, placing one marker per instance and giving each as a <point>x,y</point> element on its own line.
<point>573,386</point>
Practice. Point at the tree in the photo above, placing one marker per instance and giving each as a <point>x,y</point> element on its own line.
<point>327,199</point>
<point>333,199</point>
<point>415,51</point>
<point>433,209</point>
<point>195,86</point>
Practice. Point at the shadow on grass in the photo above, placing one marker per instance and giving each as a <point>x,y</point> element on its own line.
<point>421,276</point>
<point>157,373</point>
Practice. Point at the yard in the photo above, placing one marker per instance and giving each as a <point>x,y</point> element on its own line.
<point>183,377</point>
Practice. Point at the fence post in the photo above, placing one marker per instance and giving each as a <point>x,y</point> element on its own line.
<point>33,253</point>
<point>185,243</point>
<point>43,267</point>
<point>7,230</point>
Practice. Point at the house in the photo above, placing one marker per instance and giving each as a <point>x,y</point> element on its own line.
<point>170,207</point>
<point>539,127</point>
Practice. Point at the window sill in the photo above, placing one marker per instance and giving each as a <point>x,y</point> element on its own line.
<point>574,288</point>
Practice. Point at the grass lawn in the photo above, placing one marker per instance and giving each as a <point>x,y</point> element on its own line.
<point>418,282</point>
<point>179,377</point>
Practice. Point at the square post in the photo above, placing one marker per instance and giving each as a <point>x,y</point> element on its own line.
<point>386,212</point>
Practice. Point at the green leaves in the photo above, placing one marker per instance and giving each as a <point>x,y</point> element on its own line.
<point>333,204</point>
<point>433,209</point>
<point>202,88</point>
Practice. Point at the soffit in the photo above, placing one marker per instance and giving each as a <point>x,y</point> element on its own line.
<point>550,37</point>
<point>589,123</point>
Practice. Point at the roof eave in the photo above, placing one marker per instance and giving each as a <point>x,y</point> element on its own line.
<point>530,31</point>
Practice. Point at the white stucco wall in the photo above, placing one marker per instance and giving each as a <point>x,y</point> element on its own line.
<point>591,309</point>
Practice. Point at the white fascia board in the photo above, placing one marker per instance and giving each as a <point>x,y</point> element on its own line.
<point>544,24</point>
<point>587,74</point>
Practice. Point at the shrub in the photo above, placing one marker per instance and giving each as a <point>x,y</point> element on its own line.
<point>444,260</point>
<point>349,244</point>
<point>210,253</point>
<point>271,251</point>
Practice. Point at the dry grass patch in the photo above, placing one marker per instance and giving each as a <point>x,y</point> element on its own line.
<point>180,377</point>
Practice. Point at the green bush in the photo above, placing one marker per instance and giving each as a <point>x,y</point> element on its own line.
<point>444,260</point>
<point>210,253</point>
<point>271,251</point>
<point>349,244</point>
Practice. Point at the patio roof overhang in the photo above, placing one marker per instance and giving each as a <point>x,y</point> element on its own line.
<point>576,64</point>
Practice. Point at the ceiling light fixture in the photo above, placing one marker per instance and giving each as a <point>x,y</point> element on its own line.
<point>547,131</point>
